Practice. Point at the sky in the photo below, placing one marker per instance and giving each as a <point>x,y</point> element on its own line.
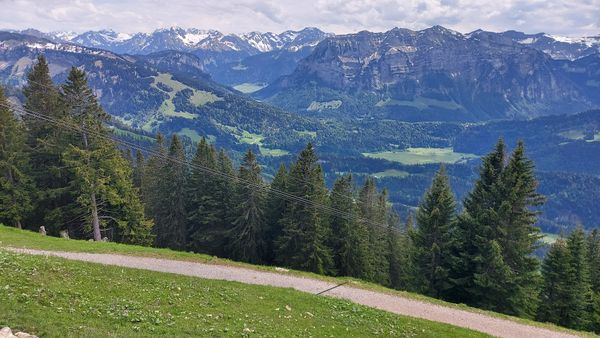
<point>560,17</point>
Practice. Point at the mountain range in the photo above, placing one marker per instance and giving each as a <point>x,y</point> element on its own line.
<point>386,94</point>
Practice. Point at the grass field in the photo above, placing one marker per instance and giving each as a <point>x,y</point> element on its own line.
<point>412,156</point>
<point>53,297</point>
<point>21,238</point>
<point>167,107</point>
<point>248,88</point>
<point>391,173</point>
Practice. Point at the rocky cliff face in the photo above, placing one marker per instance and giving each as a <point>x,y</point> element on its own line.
<point>424,74</point>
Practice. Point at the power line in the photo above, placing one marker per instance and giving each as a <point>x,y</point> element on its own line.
<point>282,194</point>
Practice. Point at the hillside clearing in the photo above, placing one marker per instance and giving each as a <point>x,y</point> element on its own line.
<point>19,238</point>
<point>413,156</point>
<point>53,297</point>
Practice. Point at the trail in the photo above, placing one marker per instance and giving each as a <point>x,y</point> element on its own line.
<point>392,303</point>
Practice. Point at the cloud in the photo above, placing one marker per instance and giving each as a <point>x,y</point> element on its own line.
<point>565,17</point>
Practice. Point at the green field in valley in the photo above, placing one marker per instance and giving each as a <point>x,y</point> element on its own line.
<point>411,156</point>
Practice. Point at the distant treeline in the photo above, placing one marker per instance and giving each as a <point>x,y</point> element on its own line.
<point>61,168</point>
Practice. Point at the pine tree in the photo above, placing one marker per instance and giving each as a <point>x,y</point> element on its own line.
<point>372,210</point>
<point>435,218</point>
<point>45,145</point>
<point>276,206</point>
<point>171,223</point>
<point>15,186</point>
<point>304,225</point>
<point>247,239</point>
<point>102,177</point>
<point>401,254</point>
<point>349,242</point>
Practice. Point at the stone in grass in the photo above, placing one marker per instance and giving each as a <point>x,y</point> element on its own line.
<point>5,332</point>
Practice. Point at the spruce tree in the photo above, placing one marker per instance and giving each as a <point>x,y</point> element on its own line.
<point>566,297</point>
<point>593,255</point>
<point>372,211</point>
<point>276,206</point>
<point>435,219</point>
<point>302,244</point>
<point>153,179</point>
<point>102,177</point>
<point>204,225</point>
<point>349,241</point>
<point>479,273</point>
<point>247,238</point>
<point>46,144</point>
<point>518,234</point>
<point>15,185</point>
<point>581,286</point>
<point>556,297</point>
<point>138,169</point>
<point>401,254</point>
<point>171,224</point>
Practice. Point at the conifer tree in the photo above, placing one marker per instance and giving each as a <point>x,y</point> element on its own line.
<point>205,232</point>
<point>45,145</point>
<point>435,219</point>
<point>566,297</point>
<point>518,234</point>
<point>372,210</point>
<point>556,297</point>
<point>15,185</point>
<point>276,205</point>
<point>102,177</point>
<point>302,244</point>
<point>171,224</point>
<point>478,270</point>
<point>139,169</point>
<point>593,244</point>
<point>581,286</point>
<point>153,179</point>
<point>401,254</point>
<point>247,239</point>
<point>349,241</point>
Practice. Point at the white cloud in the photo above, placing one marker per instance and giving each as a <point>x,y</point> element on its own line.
<point>565,17</point>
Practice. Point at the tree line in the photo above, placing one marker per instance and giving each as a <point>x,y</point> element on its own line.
<point>74,177</point>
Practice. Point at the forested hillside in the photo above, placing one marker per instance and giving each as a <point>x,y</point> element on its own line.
<point>63,169</point>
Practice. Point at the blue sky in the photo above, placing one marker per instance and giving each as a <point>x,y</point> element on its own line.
<point>563,17</point>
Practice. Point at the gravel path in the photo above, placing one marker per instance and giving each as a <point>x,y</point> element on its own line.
<point>396,304</point>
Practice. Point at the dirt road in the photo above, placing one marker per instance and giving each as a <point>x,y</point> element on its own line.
<point>392,303</point>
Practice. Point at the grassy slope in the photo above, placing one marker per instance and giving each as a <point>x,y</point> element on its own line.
<point>53,297</point>
<point>18,238</point>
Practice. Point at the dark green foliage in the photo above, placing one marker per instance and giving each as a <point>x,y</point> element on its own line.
<point>170,224</point>
<point>46,144</point>
<point>16,187</point>
<point>247,238</point>
<point>204,235</point>
<point>495,237</point>
<point>401,254</point>
<point>432,237</point>
<point>276,206</point>
<point>101,181</point>
<point>139,167</point>
<point>302,243</point>
<point>566,297</point>
<point>373,213</point>
<point>349,235</point>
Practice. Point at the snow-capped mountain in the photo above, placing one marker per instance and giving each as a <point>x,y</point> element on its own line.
<point>190,40</point>
<point>558,47</point>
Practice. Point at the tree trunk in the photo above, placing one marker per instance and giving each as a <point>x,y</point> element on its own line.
<point>18,224</point>
<point>95,218</point>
